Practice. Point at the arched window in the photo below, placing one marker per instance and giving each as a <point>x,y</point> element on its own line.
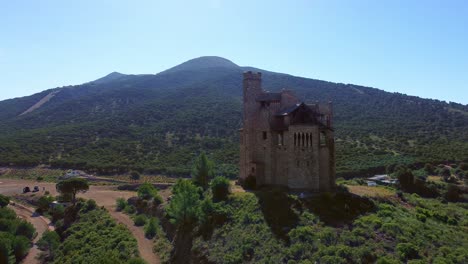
<point>323,138</point>
<point>303,139</point>
<point>280,139</point>
<point>295,139</point>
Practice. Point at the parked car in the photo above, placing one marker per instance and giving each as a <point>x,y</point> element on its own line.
<point>36,189</point>
<point>26,189</point>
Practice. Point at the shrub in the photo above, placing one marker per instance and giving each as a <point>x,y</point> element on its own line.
<point>140,220</point>
<point>147,191</point>
<point>121,204</point>
<point>407,251</point>
<point>405,178</point>
<point>130,209</point>
<point>90,205</point>
<point>25,229</point>
<point>135,175</point>
<point>4,200</point>
<point>391,229</point>
<point>57,212</point>
<point>341,188</point>
<point>421,217</point>
<point>5,251</point>
<point>429,169</point>
<point>445,173</point>
<point>250,183</point>
<point>463,166</point>
<point>151,228</point>
<point>20,247</point>
<point>49,241</point>
<point>387,260</point>
<point>453,193</point>
<point>43,203</point>
<point>136,261</point>
<point>220,188</point>
<point>95,238</point>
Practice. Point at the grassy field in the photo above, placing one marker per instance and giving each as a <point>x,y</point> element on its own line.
<point>369,191</point>
<point>38,174</point>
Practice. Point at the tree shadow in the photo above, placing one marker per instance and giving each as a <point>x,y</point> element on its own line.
<point>277,208</point>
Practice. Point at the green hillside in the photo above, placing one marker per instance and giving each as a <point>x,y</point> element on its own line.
<point>158,123</point>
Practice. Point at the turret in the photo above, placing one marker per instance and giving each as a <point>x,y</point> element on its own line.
<point>252,87</point>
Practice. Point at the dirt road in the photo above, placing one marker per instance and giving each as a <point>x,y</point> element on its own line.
<point>40,223</point>
<point>103,195</point>
<point>145,245</point>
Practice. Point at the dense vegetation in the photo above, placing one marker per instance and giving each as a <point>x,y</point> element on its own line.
<point>15,234</point>
<point>160,123</point>
<point>86,233</point>
<point>412,229</point>
<point>273,226</point>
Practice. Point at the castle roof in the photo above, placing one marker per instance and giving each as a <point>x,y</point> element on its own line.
<point>288,110</point>
<point>268,97</point>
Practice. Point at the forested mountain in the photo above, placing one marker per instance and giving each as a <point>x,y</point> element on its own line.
<point>158,123</point>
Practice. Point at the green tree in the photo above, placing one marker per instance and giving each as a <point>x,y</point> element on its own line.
<point>184,208</point>
<point>151,228</point>
<point>43,203</point>
<point>453,194</point>
<point>140,220</point>
<point>406,178</point>
<point>21,246</point>
<point>4,200</point>
<point>220,188</point>
<point>407,251</point>
<point>147,191</point>
<point>25,229</point>
<point>121,204</point>
<point>49,242</point>
<point>72,187</point>
<point>203,171</point>
<point>135,175</point>
<point>6,251</point>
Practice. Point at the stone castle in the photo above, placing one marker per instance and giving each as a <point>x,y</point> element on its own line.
<point>285,142</point>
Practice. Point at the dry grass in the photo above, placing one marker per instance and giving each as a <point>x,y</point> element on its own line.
<point>236,188</point>
<point>435,178</point>
<point>145,178</point>
<point>369,191</point>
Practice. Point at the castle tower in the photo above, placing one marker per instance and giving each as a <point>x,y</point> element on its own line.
<point>283,141</point>
<point>252,88</point>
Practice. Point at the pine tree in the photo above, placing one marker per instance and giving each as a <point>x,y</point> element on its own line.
<point>203,171</point>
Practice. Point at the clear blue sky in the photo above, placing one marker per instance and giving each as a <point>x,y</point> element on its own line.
<point>414,47</point>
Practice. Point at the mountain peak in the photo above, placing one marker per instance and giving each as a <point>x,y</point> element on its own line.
<point>109,77</point>
<point>203,63</point>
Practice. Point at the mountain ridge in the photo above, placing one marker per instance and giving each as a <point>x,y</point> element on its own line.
<point>158,122</point>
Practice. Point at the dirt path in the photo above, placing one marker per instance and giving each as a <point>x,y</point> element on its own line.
<point>145,245</point>
<point>40,223</point>
<point>103,195</point>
